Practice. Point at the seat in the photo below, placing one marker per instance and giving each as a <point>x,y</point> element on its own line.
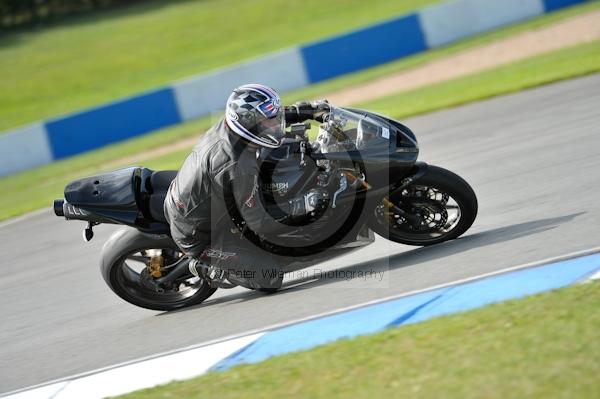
<point>160,182</point>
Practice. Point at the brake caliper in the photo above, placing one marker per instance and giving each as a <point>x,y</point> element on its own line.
<point>156,264</point>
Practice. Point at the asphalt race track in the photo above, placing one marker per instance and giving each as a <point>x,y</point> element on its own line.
<point>533,158</point>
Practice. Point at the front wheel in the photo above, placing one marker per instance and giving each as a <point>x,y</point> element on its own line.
<point>437,207</point>
<point>131,260</point>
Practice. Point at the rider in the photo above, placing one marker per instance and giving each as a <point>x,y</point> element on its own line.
<point>220,182</point>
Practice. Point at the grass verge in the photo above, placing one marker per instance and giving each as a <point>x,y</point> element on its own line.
<point>538,347</point>
<point>96,58</point>
<point>332,85</point>
<point>36,188</point>
<point>563,64</point>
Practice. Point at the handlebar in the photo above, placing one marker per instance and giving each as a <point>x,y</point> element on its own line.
<point>303,111</point>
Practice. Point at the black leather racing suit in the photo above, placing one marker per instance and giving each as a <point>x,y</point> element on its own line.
<point>221,173</point>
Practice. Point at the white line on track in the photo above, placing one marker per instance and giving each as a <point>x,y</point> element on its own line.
<point>275,326</point>
<point>596,276</point>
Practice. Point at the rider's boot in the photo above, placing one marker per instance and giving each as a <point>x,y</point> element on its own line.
<point>216,277</point>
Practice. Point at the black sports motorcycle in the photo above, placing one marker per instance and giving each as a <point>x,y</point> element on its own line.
<point>366,162</point>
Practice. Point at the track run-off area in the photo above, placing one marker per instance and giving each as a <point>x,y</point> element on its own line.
<point>533,159</point>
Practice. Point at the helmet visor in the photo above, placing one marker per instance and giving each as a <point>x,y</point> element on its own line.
<point>272,129</point>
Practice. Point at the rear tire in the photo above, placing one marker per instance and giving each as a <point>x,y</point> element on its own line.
<point>128,284</point>
<point>442,181</point>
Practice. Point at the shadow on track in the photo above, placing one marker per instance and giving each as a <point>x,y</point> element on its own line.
<point>404,259</point>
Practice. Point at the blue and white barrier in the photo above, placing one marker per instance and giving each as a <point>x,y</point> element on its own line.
<point>364,48</point>
<point>454,20</point>
<point>254,347</point>
<point>24,148</point>
<point>293,68</point>
<point>201,95</point>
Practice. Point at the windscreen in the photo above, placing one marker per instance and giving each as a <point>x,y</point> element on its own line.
<point>345,131</point>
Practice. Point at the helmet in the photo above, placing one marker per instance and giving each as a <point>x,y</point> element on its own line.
<point>255,113</point>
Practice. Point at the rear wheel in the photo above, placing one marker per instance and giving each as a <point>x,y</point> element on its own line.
<point>131,260</point>
<point>437,207</point>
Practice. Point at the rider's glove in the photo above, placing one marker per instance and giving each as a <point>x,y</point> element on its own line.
<point>315,201</point>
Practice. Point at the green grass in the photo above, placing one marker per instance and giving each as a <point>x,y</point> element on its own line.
<point>563,64</point>
<point>545,346</point>
<point>332,85</point>
<point>94,59</point>
<point>36,188</point>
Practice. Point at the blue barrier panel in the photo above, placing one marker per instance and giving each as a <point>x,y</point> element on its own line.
<point>363,48</point>
<point>551,5</point>
<point>116,121</point>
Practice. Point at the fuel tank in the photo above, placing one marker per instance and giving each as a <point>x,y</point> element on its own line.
<point>281,174</point>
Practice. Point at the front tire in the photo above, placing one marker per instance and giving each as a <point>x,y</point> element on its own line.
<point>437,207</point>
<point>124,268</point>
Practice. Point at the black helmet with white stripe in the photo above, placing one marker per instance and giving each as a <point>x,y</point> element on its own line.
<point>255,113</point>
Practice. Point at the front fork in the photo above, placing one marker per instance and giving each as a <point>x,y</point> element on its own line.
<point>418,171</point>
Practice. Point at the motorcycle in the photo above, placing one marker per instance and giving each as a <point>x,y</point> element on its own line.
<point>366,162</point>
